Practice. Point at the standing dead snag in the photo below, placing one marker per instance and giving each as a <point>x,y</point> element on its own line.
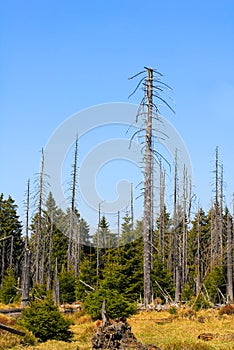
<point>26,266</point>
<point>229,260</point>
<point>148,110</point>
<point>74,248</point>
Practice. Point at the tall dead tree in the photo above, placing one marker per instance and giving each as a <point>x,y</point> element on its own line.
<point>56,295</point>
<point>132,207</point>
<point>49,272</point>
<point>71,252</point>
<point>229,260</point>
<point>26,265</point>
<point>161,228</point>
<point>152,86</point>
<point>177,246</point>
<point>98,241</point>
<point>38,254</point>
<point>217,215</point>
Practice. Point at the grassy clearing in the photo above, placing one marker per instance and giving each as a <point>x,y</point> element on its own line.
<point>181,331</point>
<point>168,331</point>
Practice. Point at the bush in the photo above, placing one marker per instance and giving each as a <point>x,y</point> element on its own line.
<point>227,310</point>
<point>67,286</point>
<point>45,321</point>
<point>198,303</point>
<point>172,310</point>
<point>116,304</point>
<point>8,291</point>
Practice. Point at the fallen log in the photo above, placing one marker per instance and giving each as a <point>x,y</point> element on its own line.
<point>11,310</point>
<point>11,330</point>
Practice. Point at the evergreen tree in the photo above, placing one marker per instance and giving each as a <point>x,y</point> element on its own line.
<point>87,278</point>
<point>11,240</point>
<point>106,238</point>
<point>67,286</point>
<point>199,249</point>
<point>45,321</point>
<point>127,234</point>
<point>8,290</point>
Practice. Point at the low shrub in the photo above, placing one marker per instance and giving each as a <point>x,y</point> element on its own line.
<point>116,304</point>
<point>45,321</point>
<point>227,310</point>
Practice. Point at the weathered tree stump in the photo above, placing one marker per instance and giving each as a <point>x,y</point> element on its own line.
<point>117,335</point>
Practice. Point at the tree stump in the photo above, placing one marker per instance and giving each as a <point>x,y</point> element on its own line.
<point>117,335</point>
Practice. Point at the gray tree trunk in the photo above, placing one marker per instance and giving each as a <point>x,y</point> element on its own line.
<point>25,285</point>
<point>229,260</point>
<point>147,234</point>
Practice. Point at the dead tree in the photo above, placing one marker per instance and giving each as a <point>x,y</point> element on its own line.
<point>152,86</point>
<point>98,241</point>
<point>56,294</point>
<point>161,228</point>
<point>49,272</point>
<point>132,207</point>
<point>71,252</point>
<point>26,267</point>
<point>229,260</point>
<point>38,253</point>
<point>177,255</point>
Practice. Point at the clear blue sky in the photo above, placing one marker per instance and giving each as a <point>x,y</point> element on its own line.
<point>58,57</point>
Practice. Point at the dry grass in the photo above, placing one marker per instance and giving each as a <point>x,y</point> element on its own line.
<point>183,330</point>
<point>168,332</point>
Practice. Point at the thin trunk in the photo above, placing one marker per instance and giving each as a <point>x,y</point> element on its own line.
<point>26,267</point>
<point>177,273</point>
<point>39,224</point>
<point>118,227</point>
<point>162,215</point>
<point>221,216</point>
<point>147,234</point>
<point>11,252</point>
<point>184,237</point>
<point>198,259</point>
<point>71,258</point>
<point>3,260</point>
<point>217,224</point>
<point>49,273</point>
<point>56,294</point>
<point>98,240</point>
<point>229,260</point>
<point>132,208</point>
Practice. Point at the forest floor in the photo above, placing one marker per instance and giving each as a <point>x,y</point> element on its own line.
<point>178,331</point>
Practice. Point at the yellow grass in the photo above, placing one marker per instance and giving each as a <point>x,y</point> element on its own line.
<point>165,330</point>
<point>168,332</point>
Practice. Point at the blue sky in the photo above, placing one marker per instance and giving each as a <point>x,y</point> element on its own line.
<point>59,57</point>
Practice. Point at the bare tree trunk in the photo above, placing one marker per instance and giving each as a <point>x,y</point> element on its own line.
<point>56,293</point>
<point>229,260</point>
<point>217,211</point>
<point>162,216</point>
<point>98,239</point>
<point>185,229</point>
<point>39,224</point>
<point>26,267</point>
<point>152,87</point>
<point>198,259</point>
<point>3,260</point>
<point>221,216</point>
<point>177,272</point>
<point>118,227</point>
<point>147,234</point>
<point>71,258</point>
<point>49,272</point>
<point>132,207</point>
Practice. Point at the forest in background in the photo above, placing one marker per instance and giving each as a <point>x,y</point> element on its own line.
<point>174,257</point>
<point>192,258</point>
